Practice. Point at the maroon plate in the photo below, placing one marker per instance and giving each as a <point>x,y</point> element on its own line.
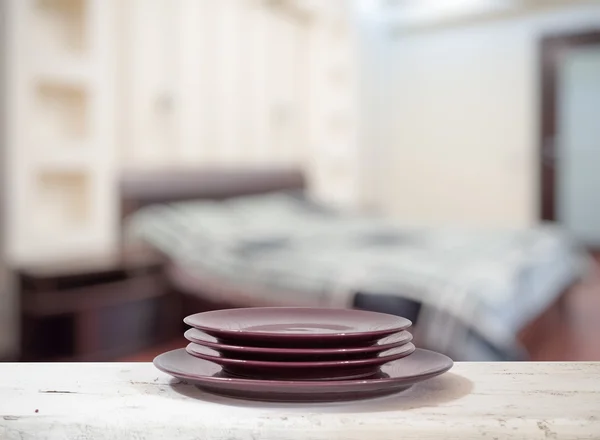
<point>319,370</point>
<point>394,376</point>
<point>297,326</point>
<point>301,354</point>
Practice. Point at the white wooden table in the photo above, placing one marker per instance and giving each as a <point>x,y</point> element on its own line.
<point>135,401</point>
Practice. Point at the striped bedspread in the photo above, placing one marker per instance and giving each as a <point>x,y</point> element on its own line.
<point>295,252</point>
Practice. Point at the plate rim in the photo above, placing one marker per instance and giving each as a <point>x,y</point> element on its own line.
<point>241,333</point>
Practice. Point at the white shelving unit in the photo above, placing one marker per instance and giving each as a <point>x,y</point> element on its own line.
<point>96,85</point>
<point>62,136</point>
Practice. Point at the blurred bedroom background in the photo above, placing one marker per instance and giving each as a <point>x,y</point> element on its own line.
<point>457,140</point>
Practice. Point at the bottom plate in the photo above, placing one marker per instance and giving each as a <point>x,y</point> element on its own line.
<point>394,376</point>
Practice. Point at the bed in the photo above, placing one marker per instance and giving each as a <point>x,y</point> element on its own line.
<point>251,237</point>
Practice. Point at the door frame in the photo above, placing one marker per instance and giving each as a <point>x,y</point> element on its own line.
<point>552,48</point>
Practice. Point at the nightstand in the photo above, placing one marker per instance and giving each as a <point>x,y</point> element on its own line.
<point>96,308</point>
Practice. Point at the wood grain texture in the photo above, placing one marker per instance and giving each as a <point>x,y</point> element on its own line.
<point>134,400</point>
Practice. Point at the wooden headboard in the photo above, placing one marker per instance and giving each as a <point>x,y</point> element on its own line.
<point>142,188</point>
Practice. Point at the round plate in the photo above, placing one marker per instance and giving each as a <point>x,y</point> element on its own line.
<point>305,354</point>
<point>318,370</point>
<point>297,326</point>
<point>394,376</point>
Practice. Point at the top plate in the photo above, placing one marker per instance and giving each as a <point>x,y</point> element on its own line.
<point>300,326</point>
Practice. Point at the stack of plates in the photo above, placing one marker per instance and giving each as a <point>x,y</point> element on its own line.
<point>300,354</point>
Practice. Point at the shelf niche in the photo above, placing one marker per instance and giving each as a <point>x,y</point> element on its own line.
<point>63,201</point>
<point>59,27</point>
<point>60,113</point>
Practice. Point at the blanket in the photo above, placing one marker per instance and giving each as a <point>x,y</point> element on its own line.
<point>488,283</point>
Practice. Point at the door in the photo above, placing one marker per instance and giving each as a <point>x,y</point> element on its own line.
<point>578,177</point>
<point>570,149</point>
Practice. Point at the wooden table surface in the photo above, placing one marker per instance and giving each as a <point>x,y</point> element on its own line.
<point>135,401</point>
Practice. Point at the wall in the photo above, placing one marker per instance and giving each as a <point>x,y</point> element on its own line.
<point>462,134</point>
<point>240,82</point>
<point>374,80</point>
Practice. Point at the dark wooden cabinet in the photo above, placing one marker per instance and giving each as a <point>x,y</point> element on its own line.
<point>96,309</point>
